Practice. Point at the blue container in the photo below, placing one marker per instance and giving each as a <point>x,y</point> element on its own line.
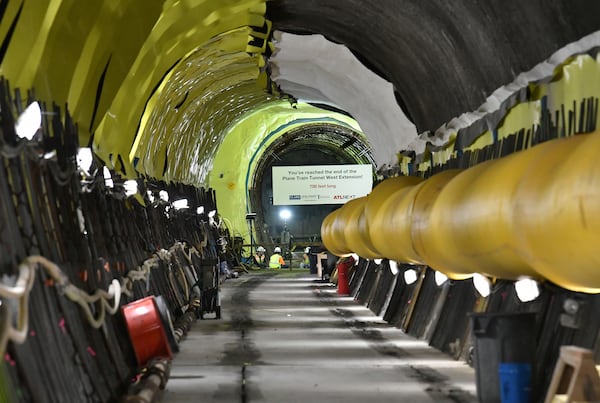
<point>501,338</point>
<point>515,382</point>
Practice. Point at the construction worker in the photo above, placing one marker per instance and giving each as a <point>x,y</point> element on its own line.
<point>260,259</point>
<point>305,263</point>
<point>276,261</point>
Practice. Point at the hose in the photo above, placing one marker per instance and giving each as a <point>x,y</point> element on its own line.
<point>22,288</point>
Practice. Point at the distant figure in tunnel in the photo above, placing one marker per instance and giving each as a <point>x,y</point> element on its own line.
<point>305,263</point>
<point>259,257</point>
<point>285,237</point>
<point>276,261</point>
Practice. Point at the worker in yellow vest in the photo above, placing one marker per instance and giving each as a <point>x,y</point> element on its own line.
<point>260,259</point>
<point>305,263</point>
<point>276,261</point>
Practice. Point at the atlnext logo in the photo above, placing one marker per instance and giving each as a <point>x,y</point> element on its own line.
<point>343,197</point>
<point>295,197</point>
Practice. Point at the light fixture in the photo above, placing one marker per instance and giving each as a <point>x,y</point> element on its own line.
<point>410,276</point>
<point>377,261</point>
<point>29,121</point>
<point>200,210</point>
<point>393,267</point>
<point>107,177</point>
<point>163,195</point>
<point>84,159</point>
<point>131,187</point>
<point>573,313</point>
<point>482,284</point>
<point>285,214</point>
<point>440,278</point>
<point>180,204</point>
<point>527,289</point>
<point>212,213</point>
<point>571,306</point>
<point>50,155</point>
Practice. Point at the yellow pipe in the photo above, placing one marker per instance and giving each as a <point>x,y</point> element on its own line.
<point>356,234</point>
<point>425,196</point>
<point>353,219</point>
<point>388,229</point>
<point>392,228</point>
<point>356,216</point>
<point>557,209</point>
<point>384,190</point>
<point>535,213</point>
<point>326,232</point>
<point>331,236</point>
<point>384,197</point>
<point>470,227</point>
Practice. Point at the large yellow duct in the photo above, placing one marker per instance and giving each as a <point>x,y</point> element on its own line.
<point>356,233</point>
<point>384,190</point>
<point>332,234</point>
<point>386,232</point>
<point>423,197</point>
<point>535,213</point>
<point>557,211</point>
<point>354,217</point>
<point>470,227</point>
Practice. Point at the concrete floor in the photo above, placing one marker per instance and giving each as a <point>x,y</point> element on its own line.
<point>286,338</point>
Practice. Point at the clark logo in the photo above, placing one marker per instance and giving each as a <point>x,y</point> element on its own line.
<point>295,197</point>
<point>343,197</point>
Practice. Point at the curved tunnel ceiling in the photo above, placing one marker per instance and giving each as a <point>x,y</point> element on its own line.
<point>142,79</point>
<point>443,58</point>
<point>203,95</point>
<point>342,143</point>
<point>311,67</point>
<point>171,90</point>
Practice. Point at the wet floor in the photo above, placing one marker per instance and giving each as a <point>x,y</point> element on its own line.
<point>286,338</point>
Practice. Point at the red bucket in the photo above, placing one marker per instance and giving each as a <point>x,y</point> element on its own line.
<point>146,330</point>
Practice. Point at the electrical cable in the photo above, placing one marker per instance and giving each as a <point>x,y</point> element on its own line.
<point>22,289</point>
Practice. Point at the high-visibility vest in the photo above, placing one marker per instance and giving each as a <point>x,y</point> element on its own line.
<point>276,261</point>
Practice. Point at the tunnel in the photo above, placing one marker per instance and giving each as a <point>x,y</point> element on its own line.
<point>138,144</point>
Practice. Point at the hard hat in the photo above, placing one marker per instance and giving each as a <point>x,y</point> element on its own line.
<point>307,249</point>
<point>277,249</point>
<point>260,249</point>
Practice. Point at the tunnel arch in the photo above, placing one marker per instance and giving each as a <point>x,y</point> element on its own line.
<point>244,146</point>
<point>310,144</point>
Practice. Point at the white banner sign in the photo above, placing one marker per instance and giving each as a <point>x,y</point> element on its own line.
<point>320,184</point>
